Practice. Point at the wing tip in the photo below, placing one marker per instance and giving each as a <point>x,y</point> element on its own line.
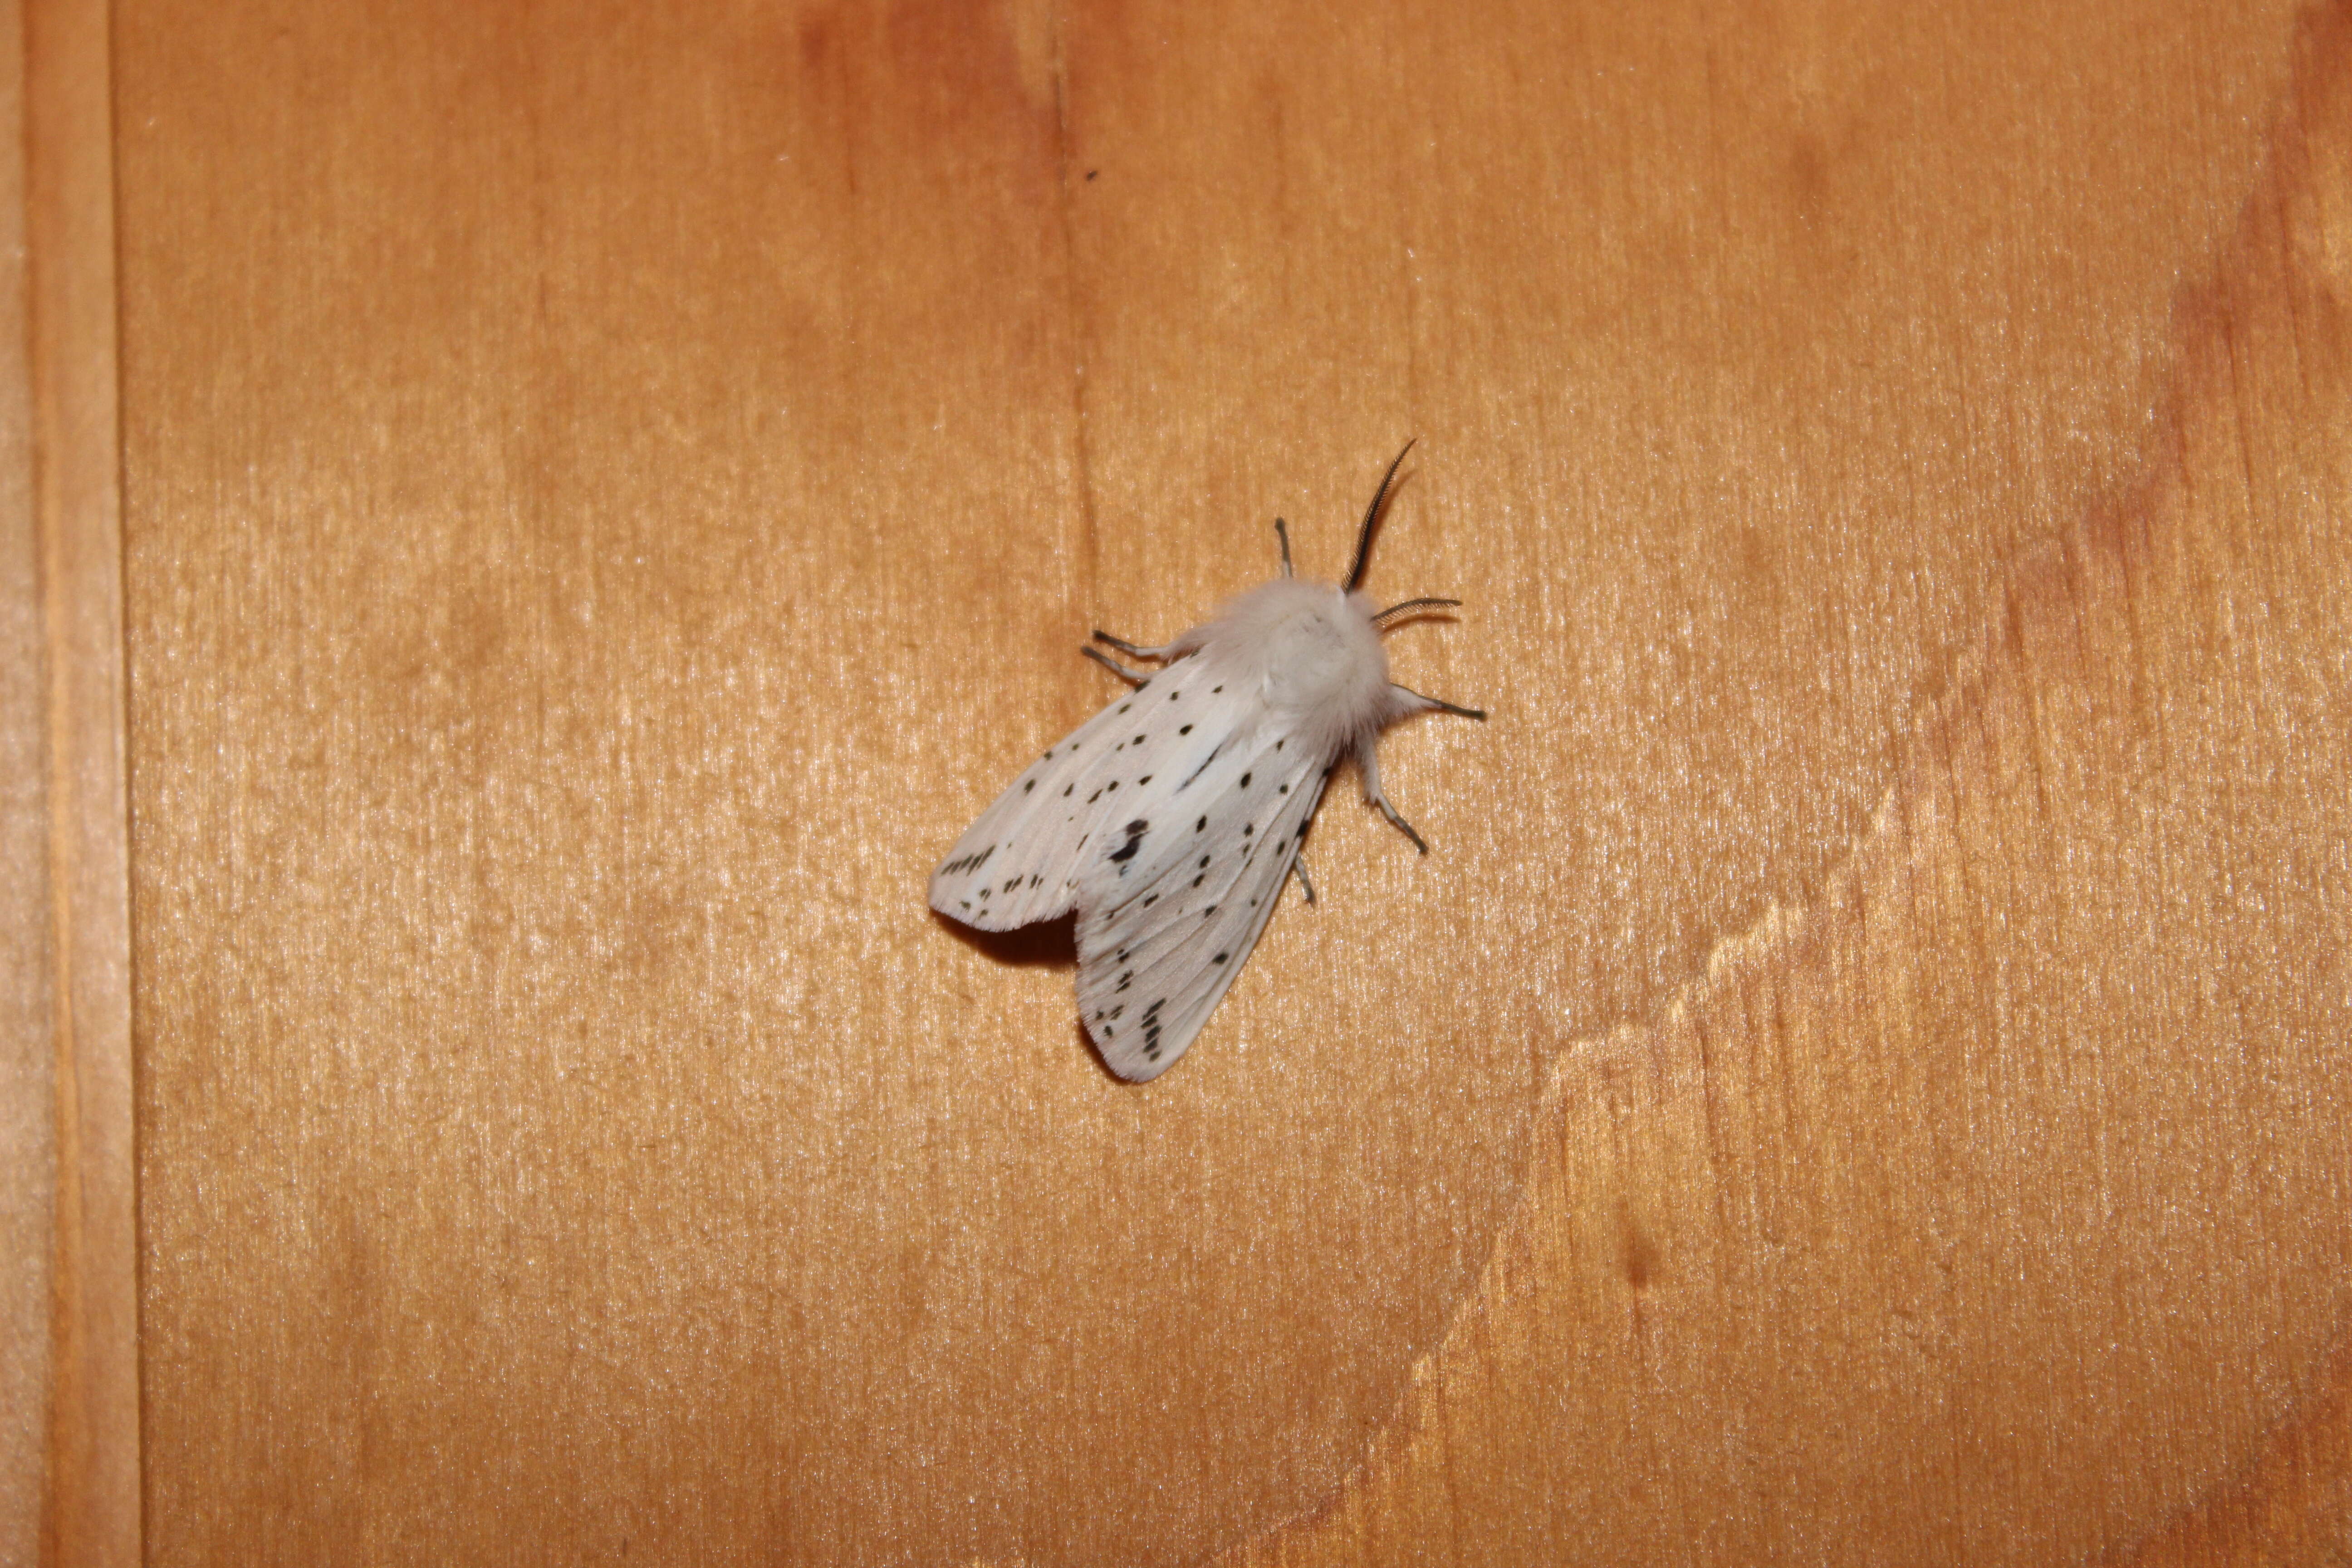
<point>945,900</point>
<point>1128,1062</point>
<point>1133,1066</point>
<point>1019,908</point>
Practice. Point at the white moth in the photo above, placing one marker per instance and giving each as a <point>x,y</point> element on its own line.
<point>1171,820</point>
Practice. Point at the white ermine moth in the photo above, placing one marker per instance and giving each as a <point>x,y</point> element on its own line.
<point>1171,820</point>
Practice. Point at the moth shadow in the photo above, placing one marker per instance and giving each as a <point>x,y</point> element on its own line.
<point>1048,944</point>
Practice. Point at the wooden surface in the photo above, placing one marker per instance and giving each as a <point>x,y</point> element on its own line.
<point>27,1071</point>
<point>609,491</point>
<point>1992,1207</point>
<point>69,1482</point>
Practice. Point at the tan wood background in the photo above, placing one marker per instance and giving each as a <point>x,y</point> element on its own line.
<point>607,491</point>
<point>69,1360</point>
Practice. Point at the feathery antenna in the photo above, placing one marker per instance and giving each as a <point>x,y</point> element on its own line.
<point>1410,609</point>
<point>1371,521</point>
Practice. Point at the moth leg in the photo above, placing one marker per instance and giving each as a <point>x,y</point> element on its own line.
<point>1368,764</point>
<point>1134,651</point>
<point>1100,657</point>
<point>1437,704</point>
<point>1283,534</point>
<point>1399,823</point>
<point>1298,870</point>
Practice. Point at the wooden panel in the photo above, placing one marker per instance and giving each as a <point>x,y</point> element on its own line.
<point>1993,1207</point>
<point>27,1044</point>
<point>69,1283</point>
<point>612,489</point>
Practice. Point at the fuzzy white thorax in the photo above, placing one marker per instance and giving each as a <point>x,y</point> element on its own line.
<point>1312,651</point>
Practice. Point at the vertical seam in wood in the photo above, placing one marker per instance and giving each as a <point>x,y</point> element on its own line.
<point>1082,456</point>
<point>91,1506</point>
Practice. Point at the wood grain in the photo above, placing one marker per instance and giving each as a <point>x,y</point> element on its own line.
<point>27,1047</point>
<point>1991,1207</point>
<point>69,1482</point>
<point>610,490</point>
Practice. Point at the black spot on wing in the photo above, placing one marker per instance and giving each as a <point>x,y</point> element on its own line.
<point>967,862</point>
<point>1135,832</point>
<point>1204,768</point>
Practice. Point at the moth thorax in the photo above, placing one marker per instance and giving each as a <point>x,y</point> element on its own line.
<point>1318,650</point>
